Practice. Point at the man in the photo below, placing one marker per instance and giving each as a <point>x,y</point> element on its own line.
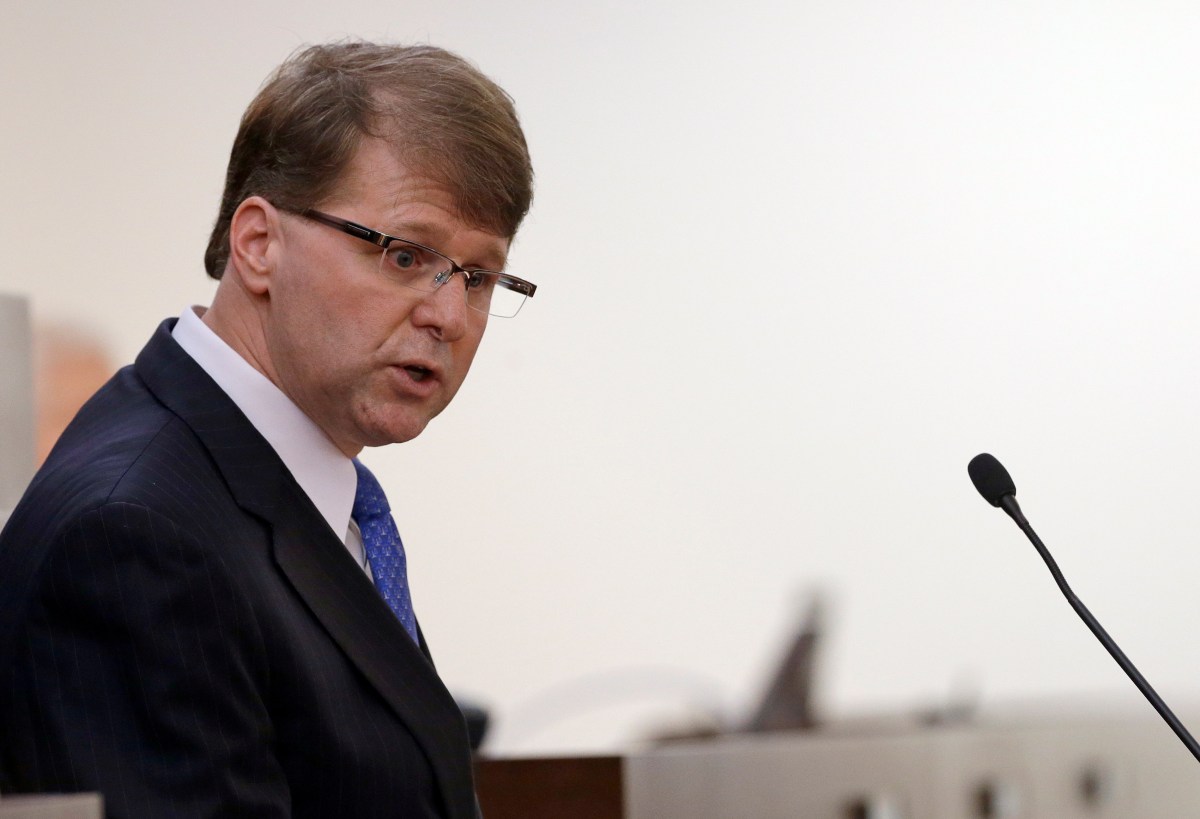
<point>203,603</point>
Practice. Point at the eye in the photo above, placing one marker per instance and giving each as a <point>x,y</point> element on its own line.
<point>404,257</point>
<point>480,280</point>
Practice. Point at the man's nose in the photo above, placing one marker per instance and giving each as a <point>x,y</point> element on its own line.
<point>445,310</point>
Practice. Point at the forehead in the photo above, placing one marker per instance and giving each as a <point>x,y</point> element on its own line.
<point>381,190</point>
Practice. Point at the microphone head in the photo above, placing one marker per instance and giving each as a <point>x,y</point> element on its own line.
<point>990,478</point>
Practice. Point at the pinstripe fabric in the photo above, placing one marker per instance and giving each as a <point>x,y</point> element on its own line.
<point>180,629</point>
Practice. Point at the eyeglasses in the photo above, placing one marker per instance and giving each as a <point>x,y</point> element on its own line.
<point>423,268</point>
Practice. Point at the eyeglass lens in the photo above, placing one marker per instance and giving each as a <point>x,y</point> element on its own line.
<point>422,269</point>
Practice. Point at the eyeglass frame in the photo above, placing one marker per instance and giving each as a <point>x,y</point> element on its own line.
<point>383,240</point>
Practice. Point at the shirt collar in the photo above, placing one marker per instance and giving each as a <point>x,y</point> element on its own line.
<point>323,471</point>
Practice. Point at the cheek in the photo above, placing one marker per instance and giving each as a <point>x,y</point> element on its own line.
<point>322,343</point>
<point>333,319</point>
<point>469,346</point>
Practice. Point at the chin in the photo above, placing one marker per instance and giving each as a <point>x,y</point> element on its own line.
<point>384,431</point>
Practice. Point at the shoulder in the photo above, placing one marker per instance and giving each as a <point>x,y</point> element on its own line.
<point>123,446</point>
<point>127,473</point>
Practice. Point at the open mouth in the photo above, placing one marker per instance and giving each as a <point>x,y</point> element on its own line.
<point>417,372</point>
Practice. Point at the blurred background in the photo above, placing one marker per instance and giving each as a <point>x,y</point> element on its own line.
<point>797,263</point>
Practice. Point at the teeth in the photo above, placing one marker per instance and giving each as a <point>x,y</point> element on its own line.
<point>417,373</point>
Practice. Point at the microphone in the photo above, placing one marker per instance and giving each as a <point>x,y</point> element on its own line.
<point>997,488</point>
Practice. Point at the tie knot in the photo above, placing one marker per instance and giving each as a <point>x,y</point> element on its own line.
<point>369,500</point>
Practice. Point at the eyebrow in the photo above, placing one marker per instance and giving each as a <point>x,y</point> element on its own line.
<point>423,232</point>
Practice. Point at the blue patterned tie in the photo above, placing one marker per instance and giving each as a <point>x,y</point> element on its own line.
<point>384,550</point>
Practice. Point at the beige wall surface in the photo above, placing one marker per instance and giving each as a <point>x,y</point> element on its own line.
<point>798,263</point>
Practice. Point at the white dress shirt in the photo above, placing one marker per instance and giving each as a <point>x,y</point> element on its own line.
<point>323,471</point>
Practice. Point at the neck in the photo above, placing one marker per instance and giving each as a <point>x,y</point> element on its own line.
<point>237,324</point>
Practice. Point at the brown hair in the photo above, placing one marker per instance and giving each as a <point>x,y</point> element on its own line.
<point>437,110</point>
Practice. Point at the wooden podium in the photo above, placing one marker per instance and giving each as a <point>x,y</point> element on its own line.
<point>1098,768</point>
<point>66,806</point>
<point>554,788</point>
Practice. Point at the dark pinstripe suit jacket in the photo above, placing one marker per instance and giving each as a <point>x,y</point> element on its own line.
<point>181,630</point>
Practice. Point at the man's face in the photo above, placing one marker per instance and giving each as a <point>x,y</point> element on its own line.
<point>371,361</point>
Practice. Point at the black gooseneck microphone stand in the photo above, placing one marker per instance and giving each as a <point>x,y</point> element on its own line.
<point>993,482</point>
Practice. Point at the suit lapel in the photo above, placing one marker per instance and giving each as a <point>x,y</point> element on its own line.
<point>355,615</point>
<point>317,565</point>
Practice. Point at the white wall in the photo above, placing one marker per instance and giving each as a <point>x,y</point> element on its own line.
<point>798,263</point>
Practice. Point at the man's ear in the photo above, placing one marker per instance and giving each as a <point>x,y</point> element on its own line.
<point>254,232</point>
